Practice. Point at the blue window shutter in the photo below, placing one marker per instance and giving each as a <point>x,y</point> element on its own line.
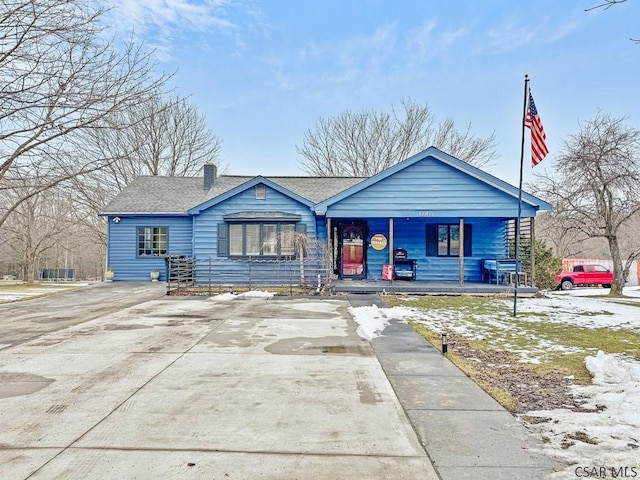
<point>467,240</point>
<point>223,240</point>
<point>432,241</point>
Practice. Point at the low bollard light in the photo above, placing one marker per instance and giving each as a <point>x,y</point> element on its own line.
<point>444,343</point>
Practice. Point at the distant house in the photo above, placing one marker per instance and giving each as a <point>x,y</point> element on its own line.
<point>433,215</point>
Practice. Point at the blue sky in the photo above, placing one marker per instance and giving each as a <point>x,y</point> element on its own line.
<point>263,72</point>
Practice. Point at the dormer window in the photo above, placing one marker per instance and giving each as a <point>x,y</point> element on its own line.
<point>261,191</point>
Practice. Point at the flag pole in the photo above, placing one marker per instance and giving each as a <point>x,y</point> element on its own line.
<point>517,276</point>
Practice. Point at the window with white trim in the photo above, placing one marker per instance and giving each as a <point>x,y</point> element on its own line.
<point>152,241</point>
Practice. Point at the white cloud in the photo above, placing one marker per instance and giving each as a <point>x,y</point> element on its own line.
<point>430,40</point>
<point>509,35</point>
<point>160,22</point>
<point>148,14</point>
<point>310,51</point>
<point>514,32</point>
<point>449,37</point>
<point>346,60</point>
<point>422,38</point>
<point>371,49</point>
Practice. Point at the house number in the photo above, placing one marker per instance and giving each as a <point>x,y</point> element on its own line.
<point>425,213</point>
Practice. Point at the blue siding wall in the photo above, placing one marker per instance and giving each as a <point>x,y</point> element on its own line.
<point>488,241</point>
<point>377,258</point>
<point>429,188</point>
<point>122,254</point>
<point>321,228</point>
<point>410,234</point>
<point>205,230</point>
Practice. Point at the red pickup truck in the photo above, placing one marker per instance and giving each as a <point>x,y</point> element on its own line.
<point>586,274</point>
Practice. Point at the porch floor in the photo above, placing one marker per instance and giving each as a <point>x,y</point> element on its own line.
<point>405,286</point>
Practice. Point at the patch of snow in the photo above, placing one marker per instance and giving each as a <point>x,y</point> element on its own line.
<point>225,297</point>
<point>585,312</point>
<point>594,292</point>
<point>611,369</point>
<point>373,320</point>
<point>10,295</point>
<point>256,294</point>
<point>614,422</point>
<point>318,307</point>
<point>370,320</point>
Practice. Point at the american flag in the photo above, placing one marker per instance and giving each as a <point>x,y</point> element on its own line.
<point>532,121</point>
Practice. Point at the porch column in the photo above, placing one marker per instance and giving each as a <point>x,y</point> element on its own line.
<point>390,241</point>
<point>532,275</point>
<point>330,264</point>
<point>461,252</point>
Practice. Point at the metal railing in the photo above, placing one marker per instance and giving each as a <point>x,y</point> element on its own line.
<point>208,275</point>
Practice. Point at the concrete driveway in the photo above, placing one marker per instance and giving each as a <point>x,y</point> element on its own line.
<point>198,388</point>
<point>27,319</point>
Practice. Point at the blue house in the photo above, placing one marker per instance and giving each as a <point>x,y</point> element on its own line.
<point>432,216</point>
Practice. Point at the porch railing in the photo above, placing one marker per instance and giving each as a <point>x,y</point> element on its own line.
<point>203,274</point>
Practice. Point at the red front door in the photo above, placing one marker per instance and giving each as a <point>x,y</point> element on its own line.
<point>353,236</point>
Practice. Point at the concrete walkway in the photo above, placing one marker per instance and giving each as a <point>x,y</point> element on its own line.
<point>465,432</point>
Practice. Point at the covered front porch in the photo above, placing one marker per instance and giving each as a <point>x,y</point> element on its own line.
<point>434,219</point>
<point>476,253</point>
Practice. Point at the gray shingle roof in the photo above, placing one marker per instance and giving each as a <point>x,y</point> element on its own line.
<point>152,194</point>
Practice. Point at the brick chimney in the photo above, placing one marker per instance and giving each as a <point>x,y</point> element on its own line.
<point>210,174</point>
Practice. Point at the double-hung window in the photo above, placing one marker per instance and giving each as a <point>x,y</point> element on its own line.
<point>257,239</point>
<point>443,240</point>
<point>152,241</point>
<point>287,236</point>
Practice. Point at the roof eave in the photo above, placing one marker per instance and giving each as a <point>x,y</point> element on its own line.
<point>142,214</point>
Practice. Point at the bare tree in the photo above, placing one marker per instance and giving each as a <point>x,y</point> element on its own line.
<point>165,136</point>
<point>365,143</point>
<point>58,78</point>
<point>35,227</point>
<point>606,5</point>
<point>551,228</point>
<point>51,230</point>
<point>565,241</point>
<point>595,189</point>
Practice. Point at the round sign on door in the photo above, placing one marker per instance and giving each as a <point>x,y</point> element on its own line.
<point>378,241</point>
